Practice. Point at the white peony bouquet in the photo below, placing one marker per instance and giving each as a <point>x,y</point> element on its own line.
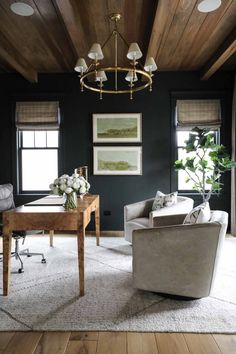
<point>69,184</point>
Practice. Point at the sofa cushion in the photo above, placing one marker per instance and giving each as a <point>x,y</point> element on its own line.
<point>164,200</point>
<point>199,214</point>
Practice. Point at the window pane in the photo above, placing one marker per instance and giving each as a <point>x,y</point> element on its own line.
<point>182,175</point>
<point>40,138</point>
<point>182,185</point>
<point>28,138</point>
<point>52,138</point>
<point>39,169</point>
<point>182,136</point>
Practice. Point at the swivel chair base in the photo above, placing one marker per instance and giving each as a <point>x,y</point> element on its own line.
<point>18,253</point>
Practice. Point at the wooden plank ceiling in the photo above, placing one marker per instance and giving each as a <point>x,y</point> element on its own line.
<point>174,32</point>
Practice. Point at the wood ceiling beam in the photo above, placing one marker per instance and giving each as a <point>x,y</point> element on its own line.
<point>63,24</point>
<point>161,25</point>
<point>227,49</point>
<point>69,14</point>
<point>10,55</point>
<point>42,14</point>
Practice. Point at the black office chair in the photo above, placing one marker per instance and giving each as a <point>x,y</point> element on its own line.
<point>7,203</point>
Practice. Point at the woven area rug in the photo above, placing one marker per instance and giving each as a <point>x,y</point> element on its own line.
<point>46,297</point>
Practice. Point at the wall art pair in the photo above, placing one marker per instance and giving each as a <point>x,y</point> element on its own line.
<point>117,128</point>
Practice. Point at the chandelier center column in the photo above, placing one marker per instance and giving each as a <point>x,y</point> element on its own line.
<point>116,60</point>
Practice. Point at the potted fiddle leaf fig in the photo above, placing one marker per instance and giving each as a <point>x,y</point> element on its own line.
<point>204,163</point>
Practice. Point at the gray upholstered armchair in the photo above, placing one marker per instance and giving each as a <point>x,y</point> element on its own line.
<point>140,215</point>
<point>179,259</point>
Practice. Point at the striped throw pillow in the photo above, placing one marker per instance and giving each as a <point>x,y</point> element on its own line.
<point>199,214</point>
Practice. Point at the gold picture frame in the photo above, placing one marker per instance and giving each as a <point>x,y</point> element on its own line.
<point>117,127</point>
<point>117,160</point>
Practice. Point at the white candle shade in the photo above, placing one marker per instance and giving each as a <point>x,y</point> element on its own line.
<point>134,52</point>
<point>150,65</point>
<point>95,52</point>
<point>81,65</point>
<point>101,76</point>
<point>131,77</point>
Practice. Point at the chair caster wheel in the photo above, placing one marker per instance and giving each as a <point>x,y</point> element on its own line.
<point>29,255</point>
<point>20,270</point>
<point>43,260</point>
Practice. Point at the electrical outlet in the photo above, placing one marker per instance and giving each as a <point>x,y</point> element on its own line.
<point>107,212</point>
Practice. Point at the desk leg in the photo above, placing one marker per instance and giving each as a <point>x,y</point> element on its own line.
<point>97,224</point>
<point>51,234</point>
<point>6,256</point>
<point>80,241</point>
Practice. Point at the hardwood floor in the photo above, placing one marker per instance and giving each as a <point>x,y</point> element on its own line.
<point>115,343</point>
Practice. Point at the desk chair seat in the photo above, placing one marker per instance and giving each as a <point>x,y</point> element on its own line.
<point>6,203</point>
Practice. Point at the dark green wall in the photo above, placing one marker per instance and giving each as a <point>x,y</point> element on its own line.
<point>76,129</point>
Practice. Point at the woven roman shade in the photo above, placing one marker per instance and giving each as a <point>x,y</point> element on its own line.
<point>198,113</point>
<point>39,115</point>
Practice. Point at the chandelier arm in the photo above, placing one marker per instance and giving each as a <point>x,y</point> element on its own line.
<point>107,40</point>
<point>141,65</point>
<point>91,66</point>
<point>150,74</point>
<point>123,39</point>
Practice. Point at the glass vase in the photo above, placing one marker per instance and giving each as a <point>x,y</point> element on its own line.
<point>71,201</point>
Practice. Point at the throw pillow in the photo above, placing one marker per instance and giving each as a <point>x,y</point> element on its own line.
<point>164,200</point>
<point>199,214</point>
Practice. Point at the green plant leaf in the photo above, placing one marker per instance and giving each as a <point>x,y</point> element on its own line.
<point>197,148</point>
<point>179,165</point>
<point>203,163</point>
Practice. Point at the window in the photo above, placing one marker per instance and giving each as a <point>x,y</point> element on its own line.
<point>181,137</point>
<point>38,159</point>
<point>202,113</point>
<point>38,145</point>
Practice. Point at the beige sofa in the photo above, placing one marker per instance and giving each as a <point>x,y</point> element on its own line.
<point>140,215</point>
<point>179,259</point>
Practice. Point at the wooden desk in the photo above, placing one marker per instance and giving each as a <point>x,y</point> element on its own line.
<point>50,218</point>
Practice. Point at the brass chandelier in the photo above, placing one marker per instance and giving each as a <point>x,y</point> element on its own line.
<point>138,77</point>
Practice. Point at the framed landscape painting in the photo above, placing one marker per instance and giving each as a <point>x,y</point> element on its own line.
<point>117,128</point>
<point>117,160</point>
